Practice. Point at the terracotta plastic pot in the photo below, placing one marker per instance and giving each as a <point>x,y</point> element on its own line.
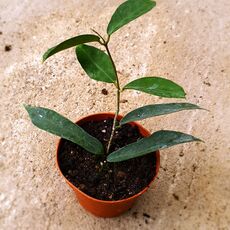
<point>103,208</point>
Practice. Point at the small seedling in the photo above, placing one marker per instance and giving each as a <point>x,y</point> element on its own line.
<point>100,66</point>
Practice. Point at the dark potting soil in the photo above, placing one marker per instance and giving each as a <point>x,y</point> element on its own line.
<point>100,179</point>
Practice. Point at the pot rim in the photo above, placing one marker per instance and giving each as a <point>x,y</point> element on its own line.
<point>109,201</point>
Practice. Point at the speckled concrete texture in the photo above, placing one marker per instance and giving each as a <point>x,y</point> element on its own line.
<point>185,41</point>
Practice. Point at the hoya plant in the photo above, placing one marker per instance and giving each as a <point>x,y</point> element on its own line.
<point>99,66</point>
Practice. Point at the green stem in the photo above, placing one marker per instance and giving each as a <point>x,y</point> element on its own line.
<point>117,98</point>
<point>117,84</point>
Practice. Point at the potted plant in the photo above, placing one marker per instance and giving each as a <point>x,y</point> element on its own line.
<point>108,159</point>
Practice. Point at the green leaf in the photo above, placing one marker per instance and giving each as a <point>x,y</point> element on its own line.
<point>55,123</point>
<point>70,43</point>
<point>156,110</point>
<point>127,12</point>
<point>158,140</point>
<point>96,63</point>
<point>157,86</point>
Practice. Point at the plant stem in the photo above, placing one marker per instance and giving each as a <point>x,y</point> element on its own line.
<point>114,121</point>
<point>117,84</point>
<point>103,40</point>
<point>117,98</point>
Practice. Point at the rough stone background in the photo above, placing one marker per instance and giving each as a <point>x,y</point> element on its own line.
<point>185,41</point>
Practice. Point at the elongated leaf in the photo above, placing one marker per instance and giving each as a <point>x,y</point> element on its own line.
<point>158,140</point>
<point>156,110</point>
<point>70,43</point>
<point>55,123</point>
<point>127,12</point>
<point>96,63</point>
<point>157,86</point>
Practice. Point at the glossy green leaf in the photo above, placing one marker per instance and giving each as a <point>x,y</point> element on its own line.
<point>96,63</point>
<point>158,140</point>
<point>127,12</point>
<point>156,110</point>
<point>55,123</point>
<point>157,86</point>
<point>70,43</point>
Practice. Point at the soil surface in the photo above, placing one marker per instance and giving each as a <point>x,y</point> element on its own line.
<point>100,179</point>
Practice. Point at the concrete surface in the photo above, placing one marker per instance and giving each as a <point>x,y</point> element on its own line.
<point>185,41</point>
